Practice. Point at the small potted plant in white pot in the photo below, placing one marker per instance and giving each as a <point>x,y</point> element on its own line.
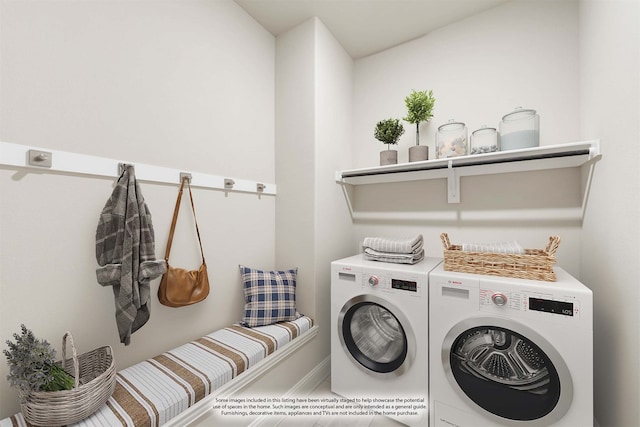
<point>389,132</point>
<point>419,109</point>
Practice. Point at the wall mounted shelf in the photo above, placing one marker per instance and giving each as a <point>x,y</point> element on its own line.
<point>42,160</point>
<point>539,158</point>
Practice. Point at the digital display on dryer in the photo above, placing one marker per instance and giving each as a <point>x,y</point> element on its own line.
<point>405,285</point>
<point>550,306</point>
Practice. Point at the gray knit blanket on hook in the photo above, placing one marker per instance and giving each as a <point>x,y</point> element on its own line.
<point>125,251</point>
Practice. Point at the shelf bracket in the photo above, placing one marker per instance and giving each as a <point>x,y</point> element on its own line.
<point>453,184</point>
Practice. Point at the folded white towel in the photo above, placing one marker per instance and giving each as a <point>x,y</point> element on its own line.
<point>398,246</point>
<point>512,247</point>
<point>373,255</point>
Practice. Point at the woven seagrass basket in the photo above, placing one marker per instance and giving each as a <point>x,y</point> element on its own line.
<point>534,264</point>
<point>95,379</point>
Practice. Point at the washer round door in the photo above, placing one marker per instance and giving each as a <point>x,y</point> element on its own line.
<point>376,336</point>
<point>507,372</point>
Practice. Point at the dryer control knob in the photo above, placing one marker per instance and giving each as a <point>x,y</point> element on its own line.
<point>373,280</point>
<point>499,299</point>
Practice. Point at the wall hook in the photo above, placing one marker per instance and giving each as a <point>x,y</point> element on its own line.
<point>228,183</point>
<point>260,187</point>
<point>186,175</point>
<point>122,167</point>
<point>40,158</point>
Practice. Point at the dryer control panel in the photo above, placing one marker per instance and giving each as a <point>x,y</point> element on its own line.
<point>527,301</point>
<point>564,308</point>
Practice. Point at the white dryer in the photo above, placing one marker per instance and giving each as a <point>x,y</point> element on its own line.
<point>379,343</point>
<point>510,352</point>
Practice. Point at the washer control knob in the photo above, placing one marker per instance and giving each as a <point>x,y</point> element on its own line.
<point>499,299</point>
<point>373,280</point>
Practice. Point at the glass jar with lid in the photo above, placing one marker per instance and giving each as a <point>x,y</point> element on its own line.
<point>484,140</point>
<point>451,140</point>
<point>520,129</point>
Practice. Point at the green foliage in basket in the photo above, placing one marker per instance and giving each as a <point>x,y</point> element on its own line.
<point>389,131</point>
<point>32,365</point>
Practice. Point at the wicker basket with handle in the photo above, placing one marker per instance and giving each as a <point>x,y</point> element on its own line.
<point>95,379</point>
<point>534,264</point>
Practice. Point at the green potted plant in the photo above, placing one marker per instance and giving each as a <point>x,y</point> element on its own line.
<point>389,131</point>
<point>419,109</point>
<point>32,366</point>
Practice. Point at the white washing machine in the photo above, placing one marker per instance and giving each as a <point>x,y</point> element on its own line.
<point>510,352</point>
<point>379,342</point>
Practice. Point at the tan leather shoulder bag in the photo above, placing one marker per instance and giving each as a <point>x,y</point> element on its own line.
<point>180,287</point>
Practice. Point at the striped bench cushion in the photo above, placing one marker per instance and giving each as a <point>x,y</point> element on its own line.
<point>152,392</point>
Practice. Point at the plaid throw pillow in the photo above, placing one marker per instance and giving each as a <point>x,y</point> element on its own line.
<point>270,296</point>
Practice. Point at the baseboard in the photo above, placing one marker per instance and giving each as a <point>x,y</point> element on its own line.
<point>312,380</point>
<point>305,386</point>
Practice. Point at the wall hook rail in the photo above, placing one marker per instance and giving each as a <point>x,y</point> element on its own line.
<point>22,156</point>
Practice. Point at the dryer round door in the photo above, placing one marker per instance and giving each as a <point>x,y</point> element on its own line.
<point>507,372</point>
<point>376,335</point>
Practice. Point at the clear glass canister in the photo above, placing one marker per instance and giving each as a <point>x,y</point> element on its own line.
<point>484,140</point>
<point>451,140</point>
<point>520,129</point>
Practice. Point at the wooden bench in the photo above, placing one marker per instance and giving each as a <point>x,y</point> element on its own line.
<point>178,386</point>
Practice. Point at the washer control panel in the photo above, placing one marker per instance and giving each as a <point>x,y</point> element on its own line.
<point>405,285</point>
<point>394,283</point>
<point>373,280</point>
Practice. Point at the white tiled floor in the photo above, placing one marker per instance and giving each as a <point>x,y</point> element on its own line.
<point>324,390</point>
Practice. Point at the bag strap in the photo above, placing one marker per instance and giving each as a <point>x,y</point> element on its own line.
<point>173,223</point>
<point>193,208</point>
<point>175,218</point>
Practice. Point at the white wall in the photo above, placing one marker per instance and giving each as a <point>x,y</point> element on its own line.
<point>313,122</point>
<point>295,160</point>
<point>610,110</point>
<point>334,115</point>
<point>188,85</point>
<point>523,53</point>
